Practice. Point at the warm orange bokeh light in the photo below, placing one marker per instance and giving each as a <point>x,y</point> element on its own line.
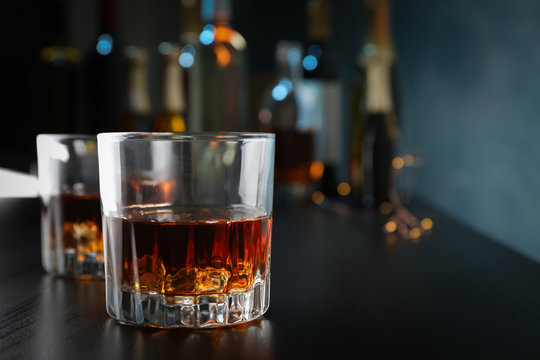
<point>398,163</point>
<point>223,55</point>
<point>390,226</point>
<point>385,208</point>
<point>223,34</point>
<point>178,124</point>
<point>317,197</point>
<point>344,189</point>
<point>415,233</point>
<point>316,170</point>
<point>426,223</point>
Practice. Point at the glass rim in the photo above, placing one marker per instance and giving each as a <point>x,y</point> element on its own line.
<point>67,136</point>
<point>186,136</point>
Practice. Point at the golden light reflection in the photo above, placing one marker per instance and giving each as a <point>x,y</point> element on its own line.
<point>397,163</point>
<point>385,208</point>
<point>390,226</point>
<point>317,197</point>
<point>178,124</point>
<point>61,54</point>
<point>223,55</point>
<point>344,189</point>
<point>316,170</point>
<point>415,233</point>
<point>426,223</point>
<point>408,159</point>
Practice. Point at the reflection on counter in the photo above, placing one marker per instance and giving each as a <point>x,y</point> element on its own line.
<point>82,303</point>
<point>245,341</point>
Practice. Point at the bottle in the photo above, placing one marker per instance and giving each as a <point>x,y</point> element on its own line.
<point>281,113</point>
<point>138,109</point>
<point>104,76</point>
<point>172,115</point>
<point>190,22</point>
<point>190,28</point>
<point>218,90</point>
<point>59,78</point>
<point>321,78</point>
<point>374,126</point>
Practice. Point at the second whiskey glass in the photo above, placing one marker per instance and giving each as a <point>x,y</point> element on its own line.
<point>72,243</point>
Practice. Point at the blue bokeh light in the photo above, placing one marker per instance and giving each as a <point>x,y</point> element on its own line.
<point>105,44</point>
<point>310,63</point>
<point>186,60</point>
<point>282,89</point>
<point>294,57</point>
<point>287,84</point>
<point>315,50</point>
<point>189,49</point>
<point>207,35</point>
<point>165,48</point>
<point>279,92</point>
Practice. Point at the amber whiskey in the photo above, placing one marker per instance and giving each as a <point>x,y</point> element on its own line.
<point>73,244</point>
<point>163,254</point>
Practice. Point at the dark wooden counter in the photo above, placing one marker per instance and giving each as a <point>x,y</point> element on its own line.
<point>339,288</point>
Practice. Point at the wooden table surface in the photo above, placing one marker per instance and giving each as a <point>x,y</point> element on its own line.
<point>340,290</point>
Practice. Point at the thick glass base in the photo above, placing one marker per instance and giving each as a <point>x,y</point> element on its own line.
<point>209,310</point>
<point>75,265</point>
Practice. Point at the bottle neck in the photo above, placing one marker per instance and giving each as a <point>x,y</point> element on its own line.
<point>318,21</point>
<point>288,60</point>
<point>379,32</point>
<point>107,16</point>
<point>378,58</point>
<point>190,22</point>
<point>173,90</point>
<point>138,96</point>
<point>217,12</point>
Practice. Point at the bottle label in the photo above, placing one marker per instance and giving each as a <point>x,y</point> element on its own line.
<point>379,95</point>
<point>320,110</point>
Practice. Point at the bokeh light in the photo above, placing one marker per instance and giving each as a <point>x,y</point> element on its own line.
<point>408,159</point>
<point>165,48</point>
<point>186,60</point>
<point>426,224</point>
<point>315,50</point>
<point>310,63</point>
<point>415,232</point>
<point>317,197</point>
<point>207,36</point>
<point>316,170</point>
<point>397,163</point>
<point>105,44</point>
<point>344,189</point>
<point>390,226</point>
<point>385,208</point>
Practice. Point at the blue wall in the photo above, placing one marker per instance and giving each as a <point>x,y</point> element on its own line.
<point>470,79</point>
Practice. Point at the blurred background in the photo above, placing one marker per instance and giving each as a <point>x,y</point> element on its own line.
<point>444,97</point>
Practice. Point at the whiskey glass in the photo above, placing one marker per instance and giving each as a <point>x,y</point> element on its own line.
<point>71,237</point>
<point>187,223</point>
